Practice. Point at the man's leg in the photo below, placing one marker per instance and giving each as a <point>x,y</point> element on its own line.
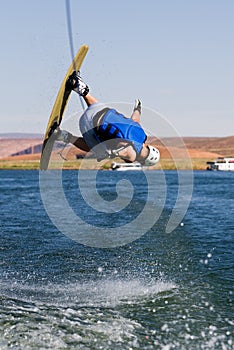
<point>89,99</point>
<point>76,84</point>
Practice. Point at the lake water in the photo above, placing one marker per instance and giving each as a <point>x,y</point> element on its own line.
<point>161,291</point>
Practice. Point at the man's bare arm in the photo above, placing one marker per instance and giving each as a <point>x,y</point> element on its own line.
<point>80,143</point>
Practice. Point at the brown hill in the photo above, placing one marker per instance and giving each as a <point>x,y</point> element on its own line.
<point>9,146</point>
<point>197,147</point>
<point>221,145</point>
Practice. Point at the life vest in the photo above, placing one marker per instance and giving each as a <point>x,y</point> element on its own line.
<point>116,125</point>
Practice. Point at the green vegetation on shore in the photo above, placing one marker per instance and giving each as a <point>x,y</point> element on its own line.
<point>165,164</point>
<point>19,164</point>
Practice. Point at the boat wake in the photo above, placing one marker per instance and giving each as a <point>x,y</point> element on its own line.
<point>104,292</point>
<point>55,316</point>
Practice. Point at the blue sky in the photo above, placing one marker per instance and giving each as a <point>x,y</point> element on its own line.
<point>177,56</point>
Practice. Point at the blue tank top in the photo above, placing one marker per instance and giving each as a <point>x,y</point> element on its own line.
<point>116,125</point>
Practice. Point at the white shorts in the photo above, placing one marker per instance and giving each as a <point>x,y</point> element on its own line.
<point>86,124</point>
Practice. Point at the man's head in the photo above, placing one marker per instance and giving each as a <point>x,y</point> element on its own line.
<point>149,155</point>
<point>153,156</point>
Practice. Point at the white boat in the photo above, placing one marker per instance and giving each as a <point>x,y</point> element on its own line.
<point>126,166</point>
<point>221,163</point>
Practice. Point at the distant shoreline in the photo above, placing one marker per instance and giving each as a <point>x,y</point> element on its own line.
<point>91,164</point>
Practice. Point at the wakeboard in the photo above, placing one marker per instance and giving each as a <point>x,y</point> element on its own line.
<point>59,109</point>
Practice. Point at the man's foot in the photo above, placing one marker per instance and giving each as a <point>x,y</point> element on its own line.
<point>74,82</point>
<point>63,135</point>
<point>137,106</point>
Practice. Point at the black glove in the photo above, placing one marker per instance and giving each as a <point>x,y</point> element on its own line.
<point>137,106</point>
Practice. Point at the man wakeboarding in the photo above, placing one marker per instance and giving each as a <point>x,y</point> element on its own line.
<point>106,132</point>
